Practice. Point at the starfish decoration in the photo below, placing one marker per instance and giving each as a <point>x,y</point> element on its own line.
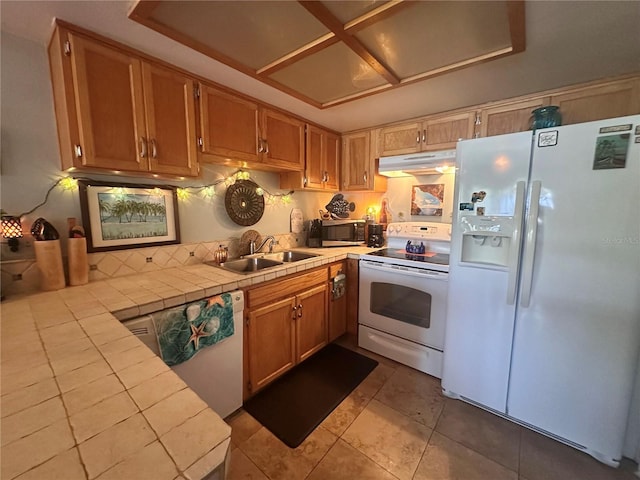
<point>197,333</point>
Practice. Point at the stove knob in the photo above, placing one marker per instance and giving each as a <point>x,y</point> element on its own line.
<point>392,228</point>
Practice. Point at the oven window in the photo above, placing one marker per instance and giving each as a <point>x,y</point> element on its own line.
<point>401,303</point>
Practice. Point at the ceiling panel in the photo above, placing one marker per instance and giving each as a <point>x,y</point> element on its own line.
<point>330,74</point>
<point>430,35</point>
<point>252,33</point>
<point>347,11</point>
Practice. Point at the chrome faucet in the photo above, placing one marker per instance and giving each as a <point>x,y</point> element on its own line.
<point>252,245</point>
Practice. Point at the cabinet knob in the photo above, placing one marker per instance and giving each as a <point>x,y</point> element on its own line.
<point>299,310</point>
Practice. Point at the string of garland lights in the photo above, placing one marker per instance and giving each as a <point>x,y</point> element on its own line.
<point>70,183</point>
<point>208,190</point>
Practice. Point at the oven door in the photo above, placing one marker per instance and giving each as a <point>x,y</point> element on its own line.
<point>408,302</point>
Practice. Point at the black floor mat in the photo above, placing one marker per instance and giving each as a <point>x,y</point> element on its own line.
<point>295,404</point>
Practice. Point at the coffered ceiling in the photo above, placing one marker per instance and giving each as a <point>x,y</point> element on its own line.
<point>330,52</point>
<point>567,42</point>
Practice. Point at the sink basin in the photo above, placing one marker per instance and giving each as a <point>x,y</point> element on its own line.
<point>247,265</point>
<point>289,256</point>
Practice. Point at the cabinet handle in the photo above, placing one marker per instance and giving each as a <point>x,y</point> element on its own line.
<point>424,136</point>
<point>266,147</point>
<point>418,137</point>
<point>78,151</point>
<point>143,147</point>
<point>299,310</point>
<point>154,148</point>
<point>260,146</point>
<point>365,177</point>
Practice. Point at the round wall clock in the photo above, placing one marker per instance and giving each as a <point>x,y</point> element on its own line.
<point>244,206</point>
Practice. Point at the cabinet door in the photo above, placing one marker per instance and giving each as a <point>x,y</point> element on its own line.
<point>512,118</point>
<point>352,295</point>
<point>332,162</point>
<point>401,139</point>
<point>356,174</point>
<point>599,102</point>
<point>271,342</point>
<point>228,125</point>
<point>315,156</point>
<point>337,307</point>
<point>110,106</point>
<point>311,325</point>
<point>283,140</point>
<point>444,132</point>
<point>171,121</point>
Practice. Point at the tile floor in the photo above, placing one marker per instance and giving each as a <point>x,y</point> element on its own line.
<point>397,425</point>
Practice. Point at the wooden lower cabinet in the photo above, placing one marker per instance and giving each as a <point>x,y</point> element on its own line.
<point>353,277</point>
<point>311,323</point>
<point>338,306</point>
<point>286,321</point>
<point>273,343</point>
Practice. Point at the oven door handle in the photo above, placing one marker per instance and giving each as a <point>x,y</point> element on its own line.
<point>414,272</point>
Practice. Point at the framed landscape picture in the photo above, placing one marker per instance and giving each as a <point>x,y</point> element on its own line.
<point>119,216</point>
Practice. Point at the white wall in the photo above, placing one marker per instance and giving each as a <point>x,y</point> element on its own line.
<point>30,163</point>
<point>399,195</point>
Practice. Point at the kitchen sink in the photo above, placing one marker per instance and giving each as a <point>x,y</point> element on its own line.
<point>247,265</point>
<point>260,261</point>
<point>288,256</point>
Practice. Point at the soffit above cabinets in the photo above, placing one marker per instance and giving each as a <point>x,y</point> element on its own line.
<point>330,52</point>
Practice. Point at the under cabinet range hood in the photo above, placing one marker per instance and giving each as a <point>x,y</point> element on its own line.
<point>418,164</point>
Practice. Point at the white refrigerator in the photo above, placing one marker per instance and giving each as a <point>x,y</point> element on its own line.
<point>543,322</point>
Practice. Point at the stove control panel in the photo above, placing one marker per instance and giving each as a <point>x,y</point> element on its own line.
<point>420,230</point>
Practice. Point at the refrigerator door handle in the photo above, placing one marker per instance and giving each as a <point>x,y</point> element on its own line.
<point>530,251</point>
<point>514,253</point>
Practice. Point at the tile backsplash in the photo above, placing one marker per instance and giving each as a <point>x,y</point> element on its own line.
<point>23,276</point>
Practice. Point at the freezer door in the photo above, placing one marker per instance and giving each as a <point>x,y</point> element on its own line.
<point>577,338</point>
<point>480,321</point>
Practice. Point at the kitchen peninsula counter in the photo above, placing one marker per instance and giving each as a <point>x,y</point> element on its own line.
<point>83,398</point>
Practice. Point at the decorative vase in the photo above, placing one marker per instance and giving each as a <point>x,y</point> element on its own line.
<point>544,117</point>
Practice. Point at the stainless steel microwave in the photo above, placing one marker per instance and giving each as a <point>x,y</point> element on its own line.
<point>342,233</point>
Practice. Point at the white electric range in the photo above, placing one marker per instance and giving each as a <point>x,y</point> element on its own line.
<point>403,295</point>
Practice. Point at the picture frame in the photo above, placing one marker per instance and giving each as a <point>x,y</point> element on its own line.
<point>119,216</point>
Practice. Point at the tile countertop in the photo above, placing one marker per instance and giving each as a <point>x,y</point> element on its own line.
<point>83,398</point>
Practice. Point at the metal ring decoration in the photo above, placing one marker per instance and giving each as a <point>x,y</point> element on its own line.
<point>244,206</point>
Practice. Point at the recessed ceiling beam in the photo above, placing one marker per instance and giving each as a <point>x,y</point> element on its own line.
<point>322,13</point>
<point>302,52</point>
<point>376,15</point>
<point>515,13</point>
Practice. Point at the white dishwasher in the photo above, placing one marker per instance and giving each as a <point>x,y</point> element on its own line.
<point>215,372</point>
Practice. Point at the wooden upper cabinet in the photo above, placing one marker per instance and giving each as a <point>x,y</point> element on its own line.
<point>281,140</point>
<point>444,132</point>
<point>116,111</point>
<point>401,139</point>
<point>359,162</point>
<point>171,121</point>
<point>321,163</point>
<point>110,107</point>
<point>429,134</point>
<point>510,118</point>
<point>356,161</point>
<point>616,99</point>
<point>228,125</point>
<point>314,158</point>
<point>332,161</point>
